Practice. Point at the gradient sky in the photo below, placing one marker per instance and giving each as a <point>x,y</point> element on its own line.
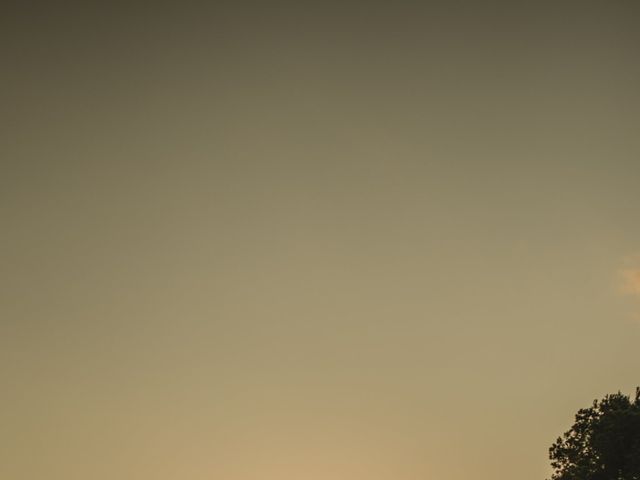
<point>319,241</point>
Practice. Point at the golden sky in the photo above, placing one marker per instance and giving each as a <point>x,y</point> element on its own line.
<point>323,241</point>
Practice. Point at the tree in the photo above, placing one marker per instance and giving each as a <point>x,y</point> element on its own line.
<point>602,444</point>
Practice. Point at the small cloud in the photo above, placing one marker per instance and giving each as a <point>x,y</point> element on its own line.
<point>630,276</point>
<point>631,281</point>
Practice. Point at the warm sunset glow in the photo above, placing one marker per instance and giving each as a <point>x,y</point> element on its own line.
<point>313,240</point>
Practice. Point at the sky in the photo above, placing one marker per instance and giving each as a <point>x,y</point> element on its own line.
<point>314,241</point>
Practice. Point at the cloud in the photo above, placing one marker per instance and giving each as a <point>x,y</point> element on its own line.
<point>631,281</point>
<point>630,276</point>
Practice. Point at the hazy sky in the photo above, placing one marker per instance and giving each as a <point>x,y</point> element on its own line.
<point>328,241</point>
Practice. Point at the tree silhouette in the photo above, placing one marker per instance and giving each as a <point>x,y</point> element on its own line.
<point>602,444</point>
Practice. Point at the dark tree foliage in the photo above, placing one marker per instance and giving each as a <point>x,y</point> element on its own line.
<point>603,444</point>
